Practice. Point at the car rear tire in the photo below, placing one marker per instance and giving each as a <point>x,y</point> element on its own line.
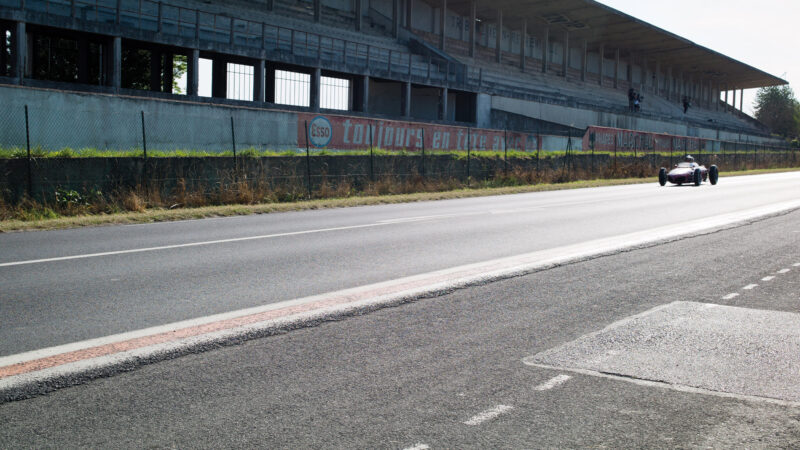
<point>713,175</point>
<point>698,177</point>
<point>662,176</point>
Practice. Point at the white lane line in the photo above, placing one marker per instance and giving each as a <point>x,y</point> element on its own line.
<point>550,384</point>
<point>731,296</point>
<point>783,271</point>
<point>191,244</point>
<point>418,447</point>
<point>796,265</point>
<point>750,287</point>
<point>488,415</point>
<point>769,278</point>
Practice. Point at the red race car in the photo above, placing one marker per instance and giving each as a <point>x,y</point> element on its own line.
<point>688,172</point>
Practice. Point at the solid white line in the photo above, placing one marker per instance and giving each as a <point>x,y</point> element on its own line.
<point>769,278</point>
<point>731,296</point>
<point>556,381</point>
<point>488,415</point>
<point>782,271</point>
<point>418,447</point>
<point>191,244</point>
<point>796,265</point>
<point>750,287</point>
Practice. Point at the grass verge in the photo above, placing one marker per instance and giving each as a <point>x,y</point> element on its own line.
<point>165,215</point>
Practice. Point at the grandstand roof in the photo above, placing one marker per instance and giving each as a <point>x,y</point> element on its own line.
<point>601,24</point>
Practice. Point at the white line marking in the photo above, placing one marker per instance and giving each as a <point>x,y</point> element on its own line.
<point>750,287</point>
<point>731,296</point>
<point>769,278</point>
<point>419,447</point>
<point>556,381</point>
<point>796,265</point>
<point>782,271</point>
<point>191,244</point>
<point>488,415</point>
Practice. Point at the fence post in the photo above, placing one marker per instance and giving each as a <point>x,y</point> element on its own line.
<point>371,156</point>
<point>144,137</point>
<point>505,153</point>
<point>28,142</point>
<point>235,160</point>
<point>308,164</point>
<point>469,147</point>
<point>423,152</point>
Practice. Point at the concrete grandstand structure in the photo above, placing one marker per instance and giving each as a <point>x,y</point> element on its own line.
<point>550,66</point>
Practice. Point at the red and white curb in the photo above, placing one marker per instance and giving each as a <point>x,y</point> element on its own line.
<point>52,367</point>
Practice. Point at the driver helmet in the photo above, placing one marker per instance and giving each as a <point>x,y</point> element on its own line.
<point>689,158</point>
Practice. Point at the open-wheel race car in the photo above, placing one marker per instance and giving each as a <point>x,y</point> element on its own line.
<point>687,172</point>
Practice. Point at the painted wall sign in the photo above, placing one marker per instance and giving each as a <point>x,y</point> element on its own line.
<point>608,139</point>
<point>357,133</point>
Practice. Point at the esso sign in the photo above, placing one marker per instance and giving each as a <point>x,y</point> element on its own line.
<point>320,132</point>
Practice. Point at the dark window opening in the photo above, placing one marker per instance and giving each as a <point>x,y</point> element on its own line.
<point>5,55</point>
<point>151,69</point>
<point>65,59</point>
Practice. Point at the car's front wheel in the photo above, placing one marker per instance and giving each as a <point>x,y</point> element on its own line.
<point>662,176</point>
<point>698,177</point>
<point>713,175</point>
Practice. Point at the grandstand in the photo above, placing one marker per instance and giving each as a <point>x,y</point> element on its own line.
<point>539,64</point>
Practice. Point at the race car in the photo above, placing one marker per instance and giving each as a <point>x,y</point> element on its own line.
<point>688,171</point>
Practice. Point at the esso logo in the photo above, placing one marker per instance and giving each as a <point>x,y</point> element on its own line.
<point>320,132</point>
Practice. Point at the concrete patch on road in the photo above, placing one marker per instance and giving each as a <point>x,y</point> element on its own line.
<point>713,349</point>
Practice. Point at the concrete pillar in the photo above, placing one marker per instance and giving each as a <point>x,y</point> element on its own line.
<point>168,61</point>
<point>629,69</point>
<point>602,63</point>
<point>193,73</point>
<point>395,17</point>
<point>314,97</point>
<point>443,104</point>
<point>616,69</point>
<point>116,63</point>
<point>523,39</point>
<point>669,83</point>
<point>584,60</point>
<point>409,13</point>
<point>317,10</point>
<point>20,51</point>
<point>726,97</point>
<point>545,50</point>
<point>741,100</point>
<point>359,16</point>
<point>407,99</point>
<point>155,70</point>
<point>443,25</point>
<point>259,81</point>
<point>657,78</point>
<point>499,36</point>
<point>473,19</point>
<point>219,78</point>
<point>566,54</point>
<point>643,72</point>
<point>364,94</point>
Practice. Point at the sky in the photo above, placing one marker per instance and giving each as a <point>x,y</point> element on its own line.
<point>761,33</point>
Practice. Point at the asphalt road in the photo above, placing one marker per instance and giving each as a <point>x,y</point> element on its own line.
<point>451,372</point>
<point>259,260</point>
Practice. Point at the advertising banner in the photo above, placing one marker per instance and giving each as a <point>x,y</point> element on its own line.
<point>610,139</point>
<point>335,132</point>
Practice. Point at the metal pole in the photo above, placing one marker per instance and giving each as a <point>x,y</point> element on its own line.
<point>469,147</point>
<point>423,152</point>
<point>371,156</point>
<point>233,138</point>
<point>144,137</point>
<point>308,164</point>
<point>505,153</point>
<point>28,141</point>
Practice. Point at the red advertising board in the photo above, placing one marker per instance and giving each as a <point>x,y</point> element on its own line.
<point>610,139</point>
<point>355,133</point>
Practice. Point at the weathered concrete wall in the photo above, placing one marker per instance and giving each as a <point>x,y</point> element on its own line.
<point>61,119</point>
<point>209,174</point>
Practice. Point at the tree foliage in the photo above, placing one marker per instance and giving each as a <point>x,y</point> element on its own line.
<point>777,108</point>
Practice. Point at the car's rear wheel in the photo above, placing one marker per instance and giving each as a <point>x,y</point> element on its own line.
<point>698,177</point>
<point>713,175</point>
<point>662,176</point>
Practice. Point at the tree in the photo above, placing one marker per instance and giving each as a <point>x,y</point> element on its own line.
<point>777,108</point>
